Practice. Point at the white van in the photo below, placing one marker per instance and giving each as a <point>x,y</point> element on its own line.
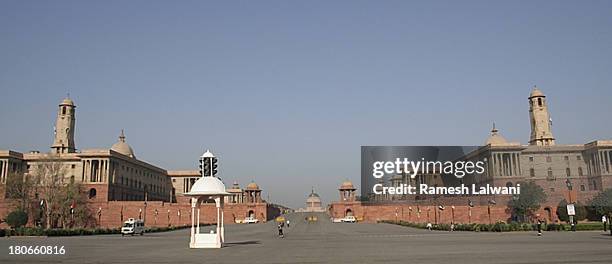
<point>133,226</point>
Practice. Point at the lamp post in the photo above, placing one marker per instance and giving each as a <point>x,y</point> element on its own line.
<point>470,205</point>
<point>570,203</point>
<point>396,213</point>
<point>489,203</point>
<point>409,213</point>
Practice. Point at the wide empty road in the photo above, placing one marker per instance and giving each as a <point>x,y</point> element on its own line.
<point>326,242</point>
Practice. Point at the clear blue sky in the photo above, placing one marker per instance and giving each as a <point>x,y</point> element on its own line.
<point>285,92</point>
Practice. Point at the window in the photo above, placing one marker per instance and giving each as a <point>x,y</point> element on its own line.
<point>595,185</point>
<point>568,172</point>
<point>552,190</point>
<point>549,159</point>
<point>550,173</point>
<point>582,188</point>
<point>532,172</point>
<point>566,158</point>
<point>92,193</point>
<point>531,159</point>
<point>539,101</point>
<point>578,157</point>
<point>73,166</point>
<point>579,171</point>
<point>63,110</point>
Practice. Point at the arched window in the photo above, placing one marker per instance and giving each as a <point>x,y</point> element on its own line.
<point>63,110</point>
<point>348,212</point>
<point>509,184</point>
<point>92,193</point>
<point>539,101</point>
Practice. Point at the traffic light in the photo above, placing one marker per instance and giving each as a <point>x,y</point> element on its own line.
<point>214,166</point>
<point>207,167</point>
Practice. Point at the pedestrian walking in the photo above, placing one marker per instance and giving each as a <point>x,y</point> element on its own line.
<point>604,221</point>
<point>429,226</point>
<point>452,227</point>
<point>539,227</point>
<point>288,222</point>
<point>280,230</point>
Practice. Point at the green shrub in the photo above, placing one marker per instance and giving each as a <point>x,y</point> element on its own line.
<point>588,226</point>
<point>17,218</point>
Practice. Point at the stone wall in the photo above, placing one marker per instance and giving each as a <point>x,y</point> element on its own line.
<point>111,214</point>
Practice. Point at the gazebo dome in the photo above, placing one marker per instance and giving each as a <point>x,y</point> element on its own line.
<point>207,186</point>
<point>207,154</point>
<point>347,185</point>
<point>122,147</point>
<point>252,186</point>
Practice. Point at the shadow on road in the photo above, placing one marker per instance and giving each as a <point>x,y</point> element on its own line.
<point>249,242</point>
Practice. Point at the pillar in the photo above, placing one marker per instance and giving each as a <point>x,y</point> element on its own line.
<point>192,238</point>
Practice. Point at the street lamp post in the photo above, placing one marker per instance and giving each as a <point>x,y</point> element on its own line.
<point>490,202</point>
<point>470,205</point>
<point>568,183</point>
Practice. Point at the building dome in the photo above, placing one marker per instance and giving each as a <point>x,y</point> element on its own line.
<point>495,138</point>
<point>347,185</point>
<point>122,147</point>
<point>252,186</point>
<point>67,101</point>
<point>313,202</point>
<point>536,92</point>
<point>207,186</point>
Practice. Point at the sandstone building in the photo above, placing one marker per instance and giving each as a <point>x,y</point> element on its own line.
<point>571,172</point>
<point>116,181</point>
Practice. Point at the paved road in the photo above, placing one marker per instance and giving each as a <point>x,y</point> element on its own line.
<point>326,242</point>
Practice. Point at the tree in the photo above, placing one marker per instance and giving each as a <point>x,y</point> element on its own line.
<point>19,187</point>
<point>49,174</point>
<point>73,206</point>
<point>17,218</point>
<point>581,212</point>
<point>528,201</point>
<point>602,202</point>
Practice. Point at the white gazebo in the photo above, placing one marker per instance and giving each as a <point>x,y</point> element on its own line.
<point>204,189</point>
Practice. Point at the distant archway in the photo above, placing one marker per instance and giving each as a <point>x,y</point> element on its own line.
<point>348,212</point>
<point>251,214</point>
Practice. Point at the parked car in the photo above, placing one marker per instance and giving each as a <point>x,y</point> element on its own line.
<point>348,219</point>
<point>250,220</point>
<point>133,226</point>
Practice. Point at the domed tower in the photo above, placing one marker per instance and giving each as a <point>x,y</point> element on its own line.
<point>253,193</point>
<point>347,192</point>
<point>496,138</point>
<point>64,128</point>
<point>123,147</point>
<point>313,202</point>
<point>541,132</point>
